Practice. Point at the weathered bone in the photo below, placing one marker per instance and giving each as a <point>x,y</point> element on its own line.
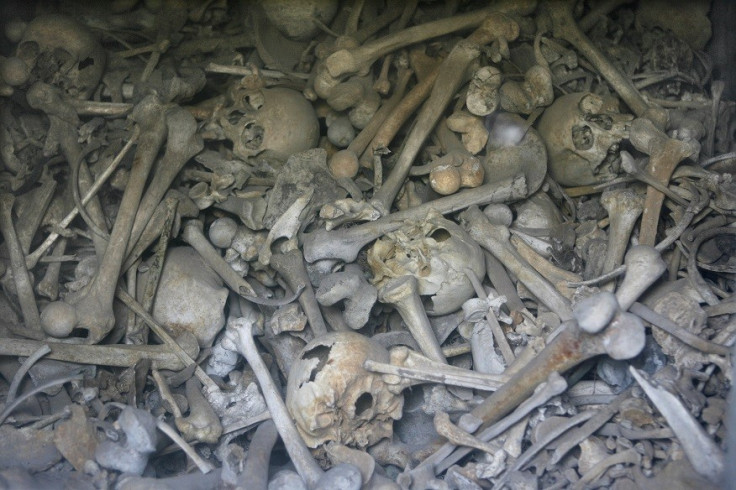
<point>495,239</point>
<point>351,286</point>
<point>452,74</point>
<point>664,155</point>
<point>290,265</point>
<point>356,60</point>
<point>94,307</point>
<point>622,339</point>
<point>23,284</point>
<point>564,27</point>
<point>624,207</point>
<point>202,424</point>
<point>105,355</point>
<point>182,143</point>
<point>403,295</point>
<point>255,467</point>
<point>305,464</point>
<point>345,244</point>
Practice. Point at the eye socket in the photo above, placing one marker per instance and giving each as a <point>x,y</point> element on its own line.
<point>602,120</point>
<point>582,137</point>
<point>440,235</point>
<point>363,403</point>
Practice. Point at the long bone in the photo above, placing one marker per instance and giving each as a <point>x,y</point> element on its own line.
<point>358,60</point>
<point>664,155</point>
<point>345,244</point>
<point>33,258</point>
<point>23,284</point>
<point>623,338</point>
<point>194,236</point>
<point>565,27</point>
<point>64,122</point>
<point>290,265</point>
<point>93,308</point>
<point>495,239</point>
<point>624,207</point>
<point>182,143</point>
<point>402,293</point>
<point>305,464</point>
<point>104,355</point>
<point>451,76</point>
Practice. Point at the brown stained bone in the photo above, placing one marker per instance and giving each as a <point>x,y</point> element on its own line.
<point>623,338</point>
<point>93,308</point>
<point>451,76</point>
<point>357,60</point>
<point>345,244</point>
<point>23,284</point>
<point>495,239</point>
<point>664,155</point>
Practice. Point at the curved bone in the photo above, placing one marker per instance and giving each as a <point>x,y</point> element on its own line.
<point>402,293</point>
<point>451,75</point>
<point>495,239</point>
<point>305,464</point>
<point>345,244</point>
<point>94,308</point>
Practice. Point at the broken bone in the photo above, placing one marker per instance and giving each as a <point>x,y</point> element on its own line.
<point>351,287</point>
<point>345,244</point>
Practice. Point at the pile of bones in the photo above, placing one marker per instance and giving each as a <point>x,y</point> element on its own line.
<point>364,244</point>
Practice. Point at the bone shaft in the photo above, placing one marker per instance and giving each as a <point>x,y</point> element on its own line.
<point>305,464</point>
<point>619,232</point>
<point>291,267</point>
<point>22,278</point>
<point>345,244</point>
<point>563,353</point>
<point>570,32</point>
<point>105,355</point>
<point>661,168</point>
<point>255,468</point>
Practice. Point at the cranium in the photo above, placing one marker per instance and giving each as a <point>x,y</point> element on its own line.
<point>61,51</point>
<point>331,397</point>
<point>583,132</point>
<point>276,121</point>
<point>435,251</point>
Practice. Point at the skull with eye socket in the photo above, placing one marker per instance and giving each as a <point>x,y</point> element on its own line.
<point>436,251</point>
<point>331,397</point>
<point>275,122</point>
<point>583,133</point>
<point>60,51</point>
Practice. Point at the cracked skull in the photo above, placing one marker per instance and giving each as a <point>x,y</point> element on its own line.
<point>58,50</point>
<point>435,251</point>
<point>276,122</point>
<point>583,132</point>
<point>332,398</point>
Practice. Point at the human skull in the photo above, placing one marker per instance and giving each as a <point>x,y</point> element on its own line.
<point>275,121</point>
<point>331,397</point>
<point>583,132</point>
<point>436,251</point>
<point>60,51</point>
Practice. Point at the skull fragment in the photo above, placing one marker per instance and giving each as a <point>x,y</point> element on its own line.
<point>583,132</point>
<point>436,251</point>
<point>331,397</point>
